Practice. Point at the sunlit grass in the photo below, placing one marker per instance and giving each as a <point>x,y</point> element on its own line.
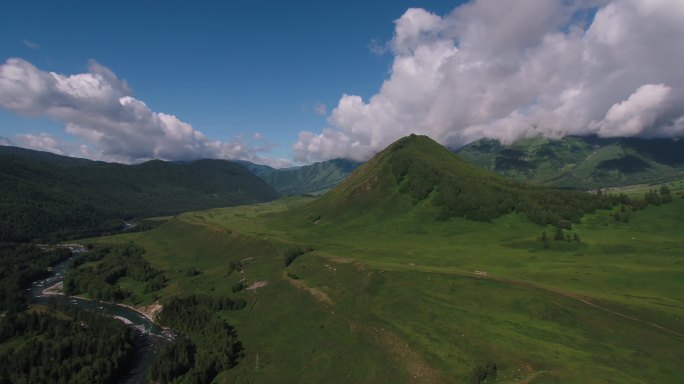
<point>405,303</point>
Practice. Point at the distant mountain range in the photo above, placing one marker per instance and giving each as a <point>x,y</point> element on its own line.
<point>48,195</point>
<point>43,195</point>
<point>571,162</point>
<point>308,179</point>
<point>581,162</point>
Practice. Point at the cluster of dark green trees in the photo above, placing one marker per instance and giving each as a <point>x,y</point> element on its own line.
<point>206,345</point>
<point>627,205</point>
<point>652,197</point>
<point>238,286</point>
<point>661,196</point>
<point>67,345</point>
<point>174,360</point>
<point>483,373</point>
<point>114,261</point>
<point>234,266</point>
<point>22,264</point>
<point>559,236</point>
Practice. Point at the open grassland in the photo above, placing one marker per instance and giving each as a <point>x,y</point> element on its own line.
<point>676,186</point>
<point>399,300</point>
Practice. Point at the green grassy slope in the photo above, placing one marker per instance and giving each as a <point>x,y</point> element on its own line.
<point>400,301</point>
<point>417,176</point>
<point>581,162</point>
<point>45,195</point>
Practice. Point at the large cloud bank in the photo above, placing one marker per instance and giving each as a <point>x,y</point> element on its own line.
<point>510,69</point>
<point>99,109</point>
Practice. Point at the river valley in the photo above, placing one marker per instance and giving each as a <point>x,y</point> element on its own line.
<point>149,336</point>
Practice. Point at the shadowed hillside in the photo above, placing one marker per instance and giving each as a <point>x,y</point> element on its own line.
<point>308,179</point>
<point>581,162</point>
<point>45,195</point>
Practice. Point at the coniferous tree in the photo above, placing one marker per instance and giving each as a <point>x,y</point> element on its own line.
<point>559,234</point>
<point>544,239</point>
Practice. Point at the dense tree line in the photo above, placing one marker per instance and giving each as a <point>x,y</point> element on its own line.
<point>661,196</point>
<point>652,197</point>
<point>66,346</point>
<point>113,261</point>
<point>27,220</point>
<point>22,264</point>
<point>212,345</point>
<point>174,360</point>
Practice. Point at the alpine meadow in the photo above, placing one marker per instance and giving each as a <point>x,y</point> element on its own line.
<point>404,192</point>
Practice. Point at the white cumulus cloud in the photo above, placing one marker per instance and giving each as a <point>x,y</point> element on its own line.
<point>517,68</point>
<point>99,108</point>
<point>636,114</point>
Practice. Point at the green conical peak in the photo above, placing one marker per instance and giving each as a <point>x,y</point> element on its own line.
<point>417,172</point>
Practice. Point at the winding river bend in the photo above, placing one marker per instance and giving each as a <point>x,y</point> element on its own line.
<point>149,336</point>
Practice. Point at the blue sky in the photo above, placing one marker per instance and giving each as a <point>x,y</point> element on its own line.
<point>227,68</point>
<point>130,81</point>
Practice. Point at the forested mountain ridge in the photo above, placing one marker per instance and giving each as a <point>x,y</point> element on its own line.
<point>308,179</point>
<point>43,195</point>
<point>573,162</point>
<point>580,162</point>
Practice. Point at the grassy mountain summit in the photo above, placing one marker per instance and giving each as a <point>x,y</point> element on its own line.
<point>580,162</point>
<point>416,174</point>
<point>44,194</point>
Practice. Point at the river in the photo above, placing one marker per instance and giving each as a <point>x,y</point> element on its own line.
<point>149,336</point>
